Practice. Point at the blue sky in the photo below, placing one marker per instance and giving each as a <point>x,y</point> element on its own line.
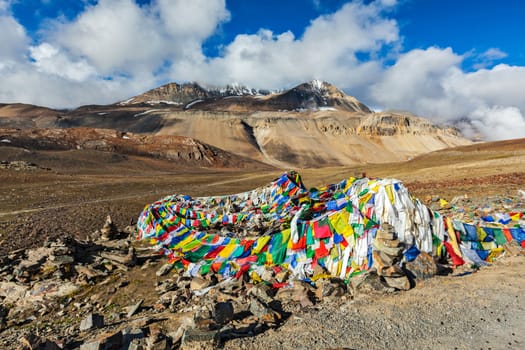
<point>466,26</point>
<point>442,59</point>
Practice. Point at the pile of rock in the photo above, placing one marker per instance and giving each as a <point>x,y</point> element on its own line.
<point>18,165</point>
<point>387,255</point>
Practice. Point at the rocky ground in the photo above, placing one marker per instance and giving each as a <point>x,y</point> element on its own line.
<point>113,292</point>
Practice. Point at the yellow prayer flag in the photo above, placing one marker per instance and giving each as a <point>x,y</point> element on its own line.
<point>453,239</point>
<point>228,250</point>
<point>260,244</point>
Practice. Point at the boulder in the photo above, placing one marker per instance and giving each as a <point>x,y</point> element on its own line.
<point>92,321</point>
<point>422,267</point>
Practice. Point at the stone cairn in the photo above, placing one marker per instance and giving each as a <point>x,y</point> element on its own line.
<point>387,254</point>
<point>109,230</point>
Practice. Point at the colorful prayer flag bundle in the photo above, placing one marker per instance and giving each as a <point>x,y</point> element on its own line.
<point>286,225</point>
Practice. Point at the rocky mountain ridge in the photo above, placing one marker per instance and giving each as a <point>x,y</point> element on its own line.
<point>182,94</point>
<point>313,95</point>
<point>313,124</point>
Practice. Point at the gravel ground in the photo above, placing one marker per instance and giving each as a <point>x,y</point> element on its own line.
<point>483,310</point>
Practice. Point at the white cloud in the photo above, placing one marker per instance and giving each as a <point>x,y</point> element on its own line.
<point>49,59</point>
<point>493,54</point>
<point>430,83</point>
<point>487,58</point>
<point>500,85</point>
<point>418,82</point>
<point>112,50</point>
<point>13,40</point>
<point>196,19</point>
<point>4,5</point>
<point>114,36</point>
<point>119,36</point>
<point>327,50</point>
<point>23,83</point>
<point>499,123</point>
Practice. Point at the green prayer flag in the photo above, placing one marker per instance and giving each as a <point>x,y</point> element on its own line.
<point>499,237</point>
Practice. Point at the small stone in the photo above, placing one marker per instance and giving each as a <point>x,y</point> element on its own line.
<point>92,345</point>
<point>130,334</point>
<point>263,313</point>
<point>164,269</point>
<point>92,321</point>
<point>298,291</point>
<point>384,259</point>
<point>401,283</point>
<point>198,283</point>
<point>223,312</point>
<point>177,335</point>
<point>159,345</point>
<point>109,230</point>
<point>369,282</point>
<point>423,266</point>
<point>333,287</point>
<point>390,243</point>
<point>379,244</point>
<point>262,292</point>
<point>386,231</point>
<point>134,308</point>
<point>61,259</point>
<point>131,257</point>
<point>392,271</point>
<point>195,339</point>
<point>282,276</point>
<point>104,341</point>
<point>32,341</point>
<point>258,309</point>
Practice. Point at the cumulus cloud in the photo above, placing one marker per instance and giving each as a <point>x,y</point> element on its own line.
<point>13,40</point>
<point>418,82</point>
<point>49,59</point>
<point>194,20</point>
<point>109,44</point>
<point>110,51</point>
<point>431,83</point>
<point>327,50</point>
<point>499,123</point>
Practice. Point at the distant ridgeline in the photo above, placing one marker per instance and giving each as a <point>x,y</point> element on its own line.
<point>287,226</point>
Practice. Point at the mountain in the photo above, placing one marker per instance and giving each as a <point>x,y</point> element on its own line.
<point>313,95</point>
<point>313,124</point>
<point>184,94</point>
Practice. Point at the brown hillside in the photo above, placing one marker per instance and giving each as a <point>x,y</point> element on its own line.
<point>182,150</point>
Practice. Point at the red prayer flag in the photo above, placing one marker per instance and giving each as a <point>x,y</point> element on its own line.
<point>322,229</point>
